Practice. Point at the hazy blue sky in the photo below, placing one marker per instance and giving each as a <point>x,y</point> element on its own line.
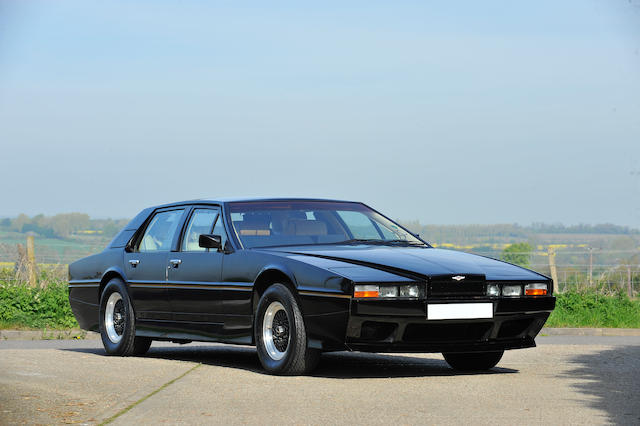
<point>449,112</point>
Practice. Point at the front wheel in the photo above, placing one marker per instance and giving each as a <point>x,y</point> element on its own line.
<point>473,361</point>
<point>281,337</point>
<point>118,323</point>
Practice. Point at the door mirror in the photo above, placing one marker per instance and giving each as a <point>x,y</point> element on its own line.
<point>210,241</point>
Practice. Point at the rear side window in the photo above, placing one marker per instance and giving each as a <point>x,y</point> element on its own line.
<point>159,234</point>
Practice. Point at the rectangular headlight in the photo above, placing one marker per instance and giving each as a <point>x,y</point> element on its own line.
<point>493,290</point>
<point>409,291</point>
<point>537,289</point>
<point>511,290</point>
<point>388,291</point>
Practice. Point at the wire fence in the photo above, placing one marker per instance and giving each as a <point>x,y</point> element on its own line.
<point>604,271</point>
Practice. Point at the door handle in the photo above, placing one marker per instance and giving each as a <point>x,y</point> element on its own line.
<point>134,262</point>
<point>175,262</point>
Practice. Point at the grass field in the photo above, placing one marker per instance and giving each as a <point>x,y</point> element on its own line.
<point>52,250</point>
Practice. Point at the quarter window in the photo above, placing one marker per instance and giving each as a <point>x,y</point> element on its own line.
<point>219,230</point>
<point>159,234</point>
<point>201,223</point>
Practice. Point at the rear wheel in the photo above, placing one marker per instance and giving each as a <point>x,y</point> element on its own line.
<point>473,361</point>
<point>118,323</point>
<point>281,337</point>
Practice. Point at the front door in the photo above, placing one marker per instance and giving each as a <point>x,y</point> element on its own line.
<point>194,275</point>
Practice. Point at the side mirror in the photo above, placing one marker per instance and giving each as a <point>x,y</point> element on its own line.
<point>210,241</point>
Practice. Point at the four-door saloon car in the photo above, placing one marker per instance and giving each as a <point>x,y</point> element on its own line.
<point>296,277</point>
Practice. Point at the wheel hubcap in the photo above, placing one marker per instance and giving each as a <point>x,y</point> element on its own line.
<point>275,331</point>
<point>114,317</point>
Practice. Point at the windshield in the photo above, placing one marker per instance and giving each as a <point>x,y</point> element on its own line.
<point>284,223</point>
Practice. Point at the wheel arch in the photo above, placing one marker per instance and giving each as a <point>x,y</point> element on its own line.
<point>110,274</point>
<point>268,276</point>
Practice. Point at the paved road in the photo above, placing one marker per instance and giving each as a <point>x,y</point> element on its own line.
<point>565,380</point>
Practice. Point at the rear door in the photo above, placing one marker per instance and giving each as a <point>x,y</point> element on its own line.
<point>146,265</point>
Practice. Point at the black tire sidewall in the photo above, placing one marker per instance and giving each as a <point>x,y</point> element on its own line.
<point>123,347</point>
<point>473,361</point>
<point>279,293</point>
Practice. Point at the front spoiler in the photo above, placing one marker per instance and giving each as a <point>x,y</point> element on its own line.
<point>489,346</point>
<point>386,331</point>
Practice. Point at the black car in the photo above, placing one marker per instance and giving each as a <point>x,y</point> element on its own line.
<point>296,277</point>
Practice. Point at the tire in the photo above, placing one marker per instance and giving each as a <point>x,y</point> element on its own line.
<point>280,334</point>
<point>473,361</point>
<point>118,322</point>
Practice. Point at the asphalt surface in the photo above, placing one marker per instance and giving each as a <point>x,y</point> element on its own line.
<point>565,380</point>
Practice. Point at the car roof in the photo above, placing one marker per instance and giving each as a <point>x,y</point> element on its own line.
<point>225,200</point>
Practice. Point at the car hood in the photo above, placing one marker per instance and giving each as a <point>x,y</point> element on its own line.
<point>424,262</point>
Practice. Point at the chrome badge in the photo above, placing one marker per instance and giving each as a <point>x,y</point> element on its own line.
<point>458,278</point>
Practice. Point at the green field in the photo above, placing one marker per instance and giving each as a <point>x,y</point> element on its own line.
<point>52,250</point>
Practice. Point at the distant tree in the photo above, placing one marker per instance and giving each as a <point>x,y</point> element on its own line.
<point>64,225</point>
<point>518,254</point>
<point>19,222</point>
<point>110,228</point>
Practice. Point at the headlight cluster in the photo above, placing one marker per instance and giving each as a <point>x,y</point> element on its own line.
<point>408,291</point>
<point>511,290</point>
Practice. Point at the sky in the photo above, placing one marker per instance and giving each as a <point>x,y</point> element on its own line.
<point>442,112</point>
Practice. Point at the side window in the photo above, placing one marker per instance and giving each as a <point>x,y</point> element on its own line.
<point>359,224</point>
<point>219,230</point>
<point>159,234</point>
<point>201,222</point>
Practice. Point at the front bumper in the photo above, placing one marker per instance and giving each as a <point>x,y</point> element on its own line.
<point>402,326</point>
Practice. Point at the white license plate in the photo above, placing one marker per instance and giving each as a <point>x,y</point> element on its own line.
<point>443,311</point>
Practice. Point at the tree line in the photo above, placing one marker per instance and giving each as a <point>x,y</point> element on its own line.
<point>510,231</point>
<point>66,224</point>
<point>62,225</point>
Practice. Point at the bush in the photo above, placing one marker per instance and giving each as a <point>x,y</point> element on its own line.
<point>23,306</point>
<point>588,309</point>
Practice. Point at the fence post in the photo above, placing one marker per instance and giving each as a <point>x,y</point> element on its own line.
<point>629,287</point>
<point>590,266</point>
<point>552,267</point>
<point>31,261</point>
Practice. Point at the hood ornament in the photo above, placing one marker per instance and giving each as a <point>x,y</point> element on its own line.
<point>458,278</point>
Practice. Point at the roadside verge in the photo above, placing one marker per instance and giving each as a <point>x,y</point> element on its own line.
<point>89,335</point>
<point>73,334</point>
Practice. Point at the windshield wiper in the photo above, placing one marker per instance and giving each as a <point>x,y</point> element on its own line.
<point>380,242</point>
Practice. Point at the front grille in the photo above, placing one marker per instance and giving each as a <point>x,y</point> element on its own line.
<point>447,287</point>
<point>430,333</point>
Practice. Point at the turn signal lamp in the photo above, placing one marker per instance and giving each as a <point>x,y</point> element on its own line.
<point>535,289</point>
<point>366,291</point>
